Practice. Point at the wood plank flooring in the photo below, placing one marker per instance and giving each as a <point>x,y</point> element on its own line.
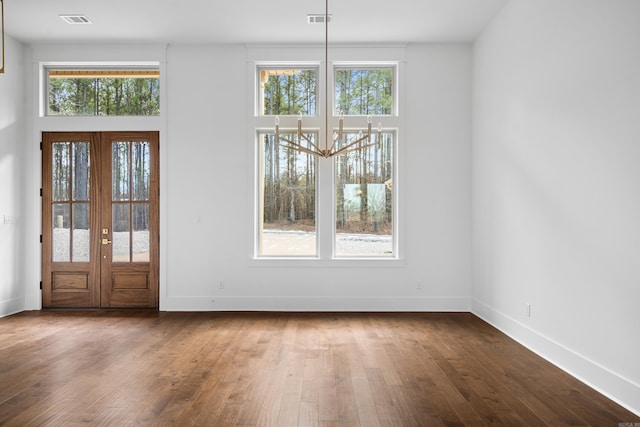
<point>141,368</point>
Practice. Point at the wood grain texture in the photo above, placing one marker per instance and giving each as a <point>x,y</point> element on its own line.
<point>145,368</point>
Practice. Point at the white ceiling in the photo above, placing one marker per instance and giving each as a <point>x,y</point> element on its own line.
<point>249,21</point>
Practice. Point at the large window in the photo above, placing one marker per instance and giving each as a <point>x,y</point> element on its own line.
<point>103,92</point>
<point>362,206</point>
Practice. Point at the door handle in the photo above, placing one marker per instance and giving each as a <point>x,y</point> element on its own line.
<point>106,241</point>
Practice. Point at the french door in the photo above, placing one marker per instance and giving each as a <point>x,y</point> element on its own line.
<point>100,219</point>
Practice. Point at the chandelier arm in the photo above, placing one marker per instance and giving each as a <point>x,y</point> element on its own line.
<point>316,147</point>
<point>347,149</point>
<point>357,141</point>
<point>297,147</point>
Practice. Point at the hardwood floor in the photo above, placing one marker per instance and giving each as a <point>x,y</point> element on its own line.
<point>137,368</point>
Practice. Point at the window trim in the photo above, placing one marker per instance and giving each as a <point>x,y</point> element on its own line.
<point>259,201</point>
<point>395,201</point>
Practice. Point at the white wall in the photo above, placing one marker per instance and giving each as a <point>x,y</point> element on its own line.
<point>12,110</point>
<point>209,174</point>
<point>556,199</point>
<point>206,202</point>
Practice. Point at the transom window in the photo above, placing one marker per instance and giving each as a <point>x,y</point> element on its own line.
<point>102,92</point>
<point>364,91</point>
<point>287,91</point>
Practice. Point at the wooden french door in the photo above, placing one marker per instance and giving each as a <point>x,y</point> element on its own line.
<point>100,219</point>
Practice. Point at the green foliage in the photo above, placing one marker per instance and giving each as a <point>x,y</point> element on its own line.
<point>291,94</point>
<point>364,91</point>
<point>104,97</point>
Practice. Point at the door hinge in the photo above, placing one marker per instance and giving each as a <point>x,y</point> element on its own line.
<point>40,145</point>
<point>41,192</point>
<point>41,238</point>
<point>40,284</point>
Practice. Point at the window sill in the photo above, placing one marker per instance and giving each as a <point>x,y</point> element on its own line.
<point>310,262</point>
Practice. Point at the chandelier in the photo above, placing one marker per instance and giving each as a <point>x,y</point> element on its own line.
<point>332,146</point>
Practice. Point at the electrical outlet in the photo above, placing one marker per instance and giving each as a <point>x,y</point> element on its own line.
<point>527,310</point>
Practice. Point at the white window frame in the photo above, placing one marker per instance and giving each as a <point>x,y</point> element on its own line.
<point>325,170</point>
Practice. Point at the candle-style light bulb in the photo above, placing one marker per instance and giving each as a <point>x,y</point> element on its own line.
<point>369,119</point>
<point>379,127</point>
<point>277,120</point>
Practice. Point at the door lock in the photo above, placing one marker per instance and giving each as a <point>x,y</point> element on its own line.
<point>106,241</point>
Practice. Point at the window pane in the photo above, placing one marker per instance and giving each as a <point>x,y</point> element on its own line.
<point>80,234</point>
<point>140,219</point>
<point>120,171</point>
<point>61,245</point>
<point>61,170</point>
<point>289,199</point>
<point>104,93</point>
<point>364,200</point>
<point>81,171</point>
<point>288,91</point>
<point>121,232</point>
<point>364,91</point>
<point>140,164</point>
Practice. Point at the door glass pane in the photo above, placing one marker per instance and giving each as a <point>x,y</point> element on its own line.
<point>61,171</point>
<point>141,164</point>
<point>61,244</point>
<point>364,200</point>
<point>80,171</point>
<point>288,189</point>
<point>140,239</point>
<point>120,171</point>
<point>121,232</point>
<point>80,233</point>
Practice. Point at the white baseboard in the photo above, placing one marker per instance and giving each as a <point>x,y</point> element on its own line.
<point>12,306</point>
<point>338,304</point>
<point>615,387</point>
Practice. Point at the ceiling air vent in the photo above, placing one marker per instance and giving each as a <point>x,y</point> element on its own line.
<point>317,19</point>
<point>75,19</point>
